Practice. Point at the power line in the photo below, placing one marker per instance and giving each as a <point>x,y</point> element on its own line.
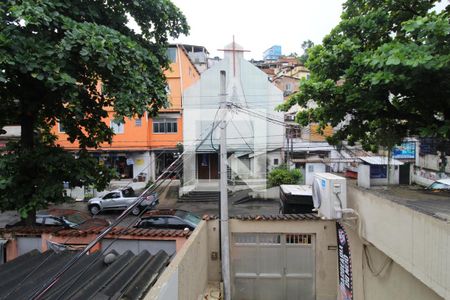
<point>50,283</point>
<point>178,170</point>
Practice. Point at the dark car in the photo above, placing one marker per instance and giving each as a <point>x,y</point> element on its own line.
<point>169,219</point>
<point>67,218</point>
<point>439,185</point>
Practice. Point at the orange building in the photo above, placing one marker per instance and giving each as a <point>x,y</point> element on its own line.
<point>143,147</point>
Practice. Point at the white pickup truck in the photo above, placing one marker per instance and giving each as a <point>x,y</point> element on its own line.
<point>119,200</point>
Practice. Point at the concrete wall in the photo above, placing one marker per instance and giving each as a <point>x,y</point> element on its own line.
<point>394,282</point>
<point>431,162</point>
<point>187,273</point>
<point>310,169</point>
<point>364,176</point>
<point>326,260</point>
<point>417,243</point>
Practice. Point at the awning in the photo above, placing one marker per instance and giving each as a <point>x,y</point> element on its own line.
<point>380,160</point>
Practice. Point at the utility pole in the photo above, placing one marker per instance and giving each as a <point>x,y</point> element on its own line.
<point>224,230</point>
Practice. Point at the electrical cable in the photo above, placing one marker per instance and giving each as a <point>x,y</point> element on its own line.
<point>212,133</point>
<point>38,294</point>
<point>56,277</point>
<point>387,262</point>
<point>251,150</point>
<point>179,167</point>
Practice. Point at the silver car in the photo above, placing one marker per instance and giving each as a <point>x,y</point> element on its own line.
<point>121,199</point>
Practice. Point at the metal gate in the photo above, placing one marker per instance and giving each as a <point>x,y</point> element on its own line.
<point>273,266</point>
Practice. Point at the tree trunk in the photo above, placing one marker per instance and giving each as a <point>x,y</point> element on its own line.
<point>27,122</point>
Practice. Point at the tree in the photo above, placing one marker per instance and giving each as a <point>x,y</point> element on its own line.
<point>306,45</point>
<point>383,73</point>
<point>53,54</point>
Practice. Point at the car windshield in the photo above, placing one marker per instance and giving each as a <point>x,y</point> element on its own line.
<point>128,192</point>
<point>439,186</point>
<point>191,218</point>
<point>76,218</point>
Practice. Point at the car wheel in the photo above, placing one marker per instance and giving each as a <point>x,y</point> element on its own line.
<point>94,209</point>
<point>135,211</point>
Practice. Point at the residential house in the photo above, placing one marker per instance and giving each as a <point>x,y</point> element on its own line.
<point>126,262</point>
<point>143,147</point>
<point>394,246</point>
<point>199,56</point>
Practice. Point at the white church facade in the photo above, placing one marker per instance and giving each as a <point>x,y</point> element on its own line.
<point>254,128</point>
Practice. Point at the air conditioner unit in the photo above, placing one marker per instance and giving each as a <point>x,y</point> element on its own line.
<point>329,195</point>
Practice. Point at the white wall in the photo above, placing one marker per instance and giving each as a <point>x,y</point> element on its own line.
<point>142,164</point>
<point>394,282</point>
<point>418,243</point>
<point>364,176</point>
<point>310,169</point>
<point>248,88</point>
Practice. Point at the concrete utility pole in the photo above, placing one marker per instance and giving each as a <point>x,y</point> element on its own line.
<point>224,232</point>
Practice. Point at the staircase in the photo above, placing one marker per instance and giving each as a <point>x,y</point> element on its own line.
<point>201,196</point>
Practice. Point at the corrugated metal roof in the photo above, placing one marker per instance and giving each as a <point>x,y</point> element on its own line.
<point>380,160</point>
<point>281,217</point>
<point>128,276</point>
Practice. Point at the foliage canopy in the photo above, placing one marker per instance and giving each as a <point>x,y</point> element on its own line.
<point>53,54</point>
<point>381,74</point>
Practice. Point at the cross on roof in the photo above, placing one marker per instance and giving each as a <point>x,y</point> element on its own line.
<point>234,50</point>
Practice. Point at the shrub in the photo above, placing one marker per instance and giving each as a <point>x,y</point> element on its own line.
<point>282,175</point>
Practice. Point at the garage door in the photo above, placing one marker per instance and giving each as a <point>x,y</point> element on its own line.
<point>273,266</point>
<point>136,246</point>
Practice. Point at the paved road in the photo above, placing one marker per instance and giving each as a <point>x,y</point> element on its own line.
<point>168,199</point>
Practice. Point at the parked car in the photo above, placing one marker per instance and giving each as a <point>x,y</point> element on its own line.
<point>120,199</point>
<point>169,219</point>
<point>68,218</point>
<point>441,185</point>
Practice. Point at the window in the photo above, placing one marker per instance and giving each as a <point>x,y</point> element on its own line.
<point>288,87</point>
<point>172,54</point>
<point>117,127</point>
<point>52,221</point>
<point>138,122</point>
<point>112,195</point>
<point>61,128</point>
<point>175,221</point>
<point>378,171</point>
<point>165,125</point>
<point>223,82</point>
<point>152,222</point>
<point>275,161</point>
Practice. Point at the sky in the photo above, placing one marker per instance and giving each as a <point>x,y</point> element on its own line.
<point>258,24</point>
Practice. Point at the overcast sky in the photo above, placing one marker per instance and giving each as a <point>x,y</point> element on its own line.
<point>258,24</point>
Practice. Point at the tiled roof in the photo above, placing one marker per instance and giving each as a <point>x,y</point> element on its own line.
<point>281,217</point>
<point>95,276</point>
<point>57,231</point>
<point>141,232</point>
<point>30,230</point>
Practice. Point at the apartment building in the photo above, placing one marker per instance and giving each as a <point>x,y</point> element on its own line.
<point>143,147</point>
